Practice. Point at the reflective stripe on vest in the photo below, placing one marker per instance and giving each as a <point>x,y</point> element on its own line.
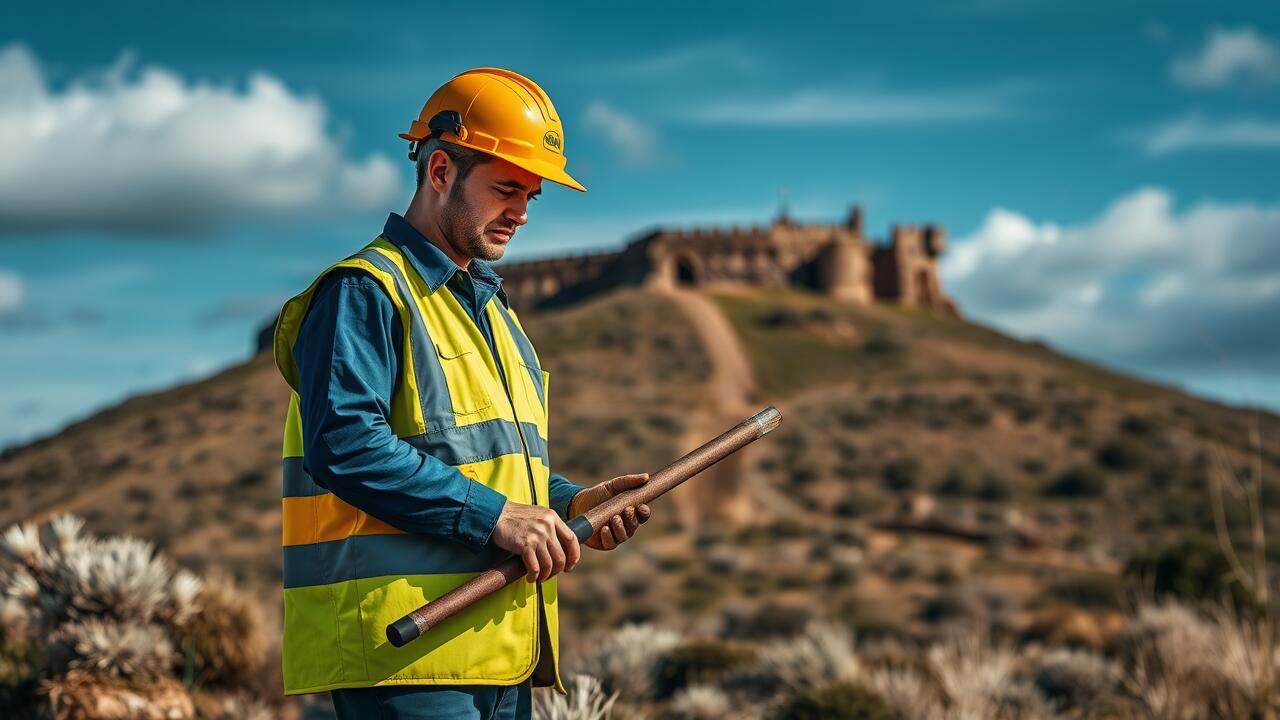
<point>347,574</point>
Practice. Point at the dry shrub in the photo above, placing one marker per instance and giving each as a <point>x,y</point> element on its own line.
<point>1183,665</point>
<point>1078,680</point>
<point>822,656</point>
<point>65,575</point>
<point>111,649</point>
<point>81,696</point>
<point>626,661</point>
<point>980,680</point>
<point>909,693</point>
<point>90,628</point>
<point>837,700</point>
<point>230,706</point>
<point>226,637</point>
<point>700,702</point>
<point>586,701</point>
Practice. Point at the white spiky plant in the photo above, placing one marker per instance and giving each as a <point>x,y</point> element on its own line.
<point>111,649</point>
<point>626,660</point>
<point>701,702</point>
<point>822,655</point>
<point>76,610</point>
<point>586,701</point>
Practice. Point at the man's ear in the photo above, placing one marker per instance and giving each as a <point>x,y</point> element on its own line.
<point>440,171</point>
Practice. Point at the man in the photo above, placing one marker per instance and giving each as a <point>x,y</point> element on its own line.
<point>415,450</point>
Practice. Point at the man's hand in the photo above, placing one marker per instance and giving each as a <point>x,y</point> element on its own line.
<point>621,526</point>
<point>539,537</point>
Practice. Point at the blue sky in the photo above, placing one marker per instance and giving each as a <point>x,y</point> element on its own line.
<point>1107,173</point>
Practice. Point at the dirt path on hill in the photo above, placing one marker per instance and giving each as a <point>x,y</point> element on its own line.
<point>731,492</point>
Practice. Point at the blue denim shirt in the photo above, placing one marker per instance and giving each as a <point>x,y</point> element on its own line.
<point>348,354</point>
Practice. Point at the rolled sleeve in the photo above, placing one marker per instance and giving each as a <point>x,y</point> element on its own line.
<point>347,353</point>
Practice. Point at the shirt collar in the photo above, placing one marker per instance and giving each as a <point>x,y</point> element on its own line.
<point>432,264</point>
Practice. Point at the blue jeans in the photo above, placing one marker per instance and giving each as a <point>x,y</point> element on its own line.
<point>435,702</point>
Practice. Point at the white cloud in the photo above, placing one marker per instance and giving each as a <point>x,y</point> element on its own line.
<point>1142,284</point>
<point>12,291</point>
<point>1226,55</point>
<point>814,107</point>
<point>1193,131</point>
<point>637,143</point>
<point>157,153</point>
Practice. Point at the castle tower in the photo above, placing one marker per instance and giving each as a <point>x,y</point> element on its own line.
<point>843,270</point>
<point>907,270</point>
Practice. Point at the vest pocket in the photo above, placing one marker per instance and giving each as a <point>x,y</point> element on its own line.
<point>534,380</point>
<point>465,375</point>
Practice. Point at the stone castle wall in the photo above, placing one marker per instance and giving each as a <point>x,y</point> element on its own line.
<point>835,259</point>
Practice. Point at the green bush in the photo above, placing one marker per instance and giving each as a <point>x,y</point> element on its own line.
<point>1078,482</point>
<point>994,487</point>
<point>1092,590</point>
<point>969,411</point>
<point>1138,426</point>
<point>1023,408</point>
<point>958,482</point>
<point>883,342</point>
<point>838,700</point>
<point>782,316</point>
<point>856,503</point>
<point>774,619</point>
<point>1123,454</point>
<point>1192,569</point>
<point>804,473</point>
<point>902,474</point>
<point>1033,466</point>
<point>699,661</point>
<point>701,590</point>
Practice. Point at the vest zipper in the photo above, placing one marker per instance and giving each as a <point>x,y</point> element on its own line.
<point>528,466</point>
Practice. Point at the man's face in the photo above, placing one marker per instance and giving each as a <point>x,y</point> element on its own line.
<point>481,214</point>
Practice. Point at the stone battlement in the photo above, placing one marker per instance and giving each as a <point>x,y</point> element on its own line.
<point>836,259</point>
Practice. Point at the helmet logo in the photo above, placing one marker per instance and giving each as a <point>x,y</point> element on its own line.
<point>551,141</point>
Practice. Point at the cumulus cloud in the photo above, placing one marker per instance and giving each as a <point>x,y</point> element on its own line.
<point>151,152</point>
<point>1142,284</point>
<point>1228,55</point>
<point>12,291</point>
<point>637,143</point>
<point>1194,131</point>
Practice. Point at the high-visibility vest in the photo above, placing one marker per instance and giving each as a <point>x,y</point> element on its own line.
<point>347,575</point>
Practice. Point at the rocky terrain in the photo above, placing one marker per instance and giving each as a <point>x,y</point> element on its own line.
<point>929,474</point>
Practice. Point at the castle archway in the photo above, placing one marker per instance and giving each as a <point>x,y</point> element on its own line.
<point>924,289</point>
<point>688,271</point>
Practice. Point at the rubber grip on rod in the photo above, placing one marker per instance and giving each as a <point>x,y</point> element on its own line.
<point>402,631</point>
<point>581,527</point>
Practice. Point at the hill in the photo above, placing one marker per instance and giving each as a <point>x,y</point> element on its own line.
<point>927,469</point>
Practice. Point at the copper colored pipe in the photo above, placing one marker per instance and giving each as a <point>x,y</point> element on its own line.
<point>585,525</point>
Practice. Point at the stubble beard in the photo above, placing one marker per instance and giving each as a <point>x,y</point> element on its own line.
<point>464,228</point>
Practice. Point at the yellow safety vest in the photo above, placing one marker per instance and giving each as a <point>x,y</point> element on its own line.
<point>347,575</point>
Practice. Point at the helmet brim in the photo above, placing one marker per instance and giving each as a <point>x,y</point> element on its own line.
<point>544,170</point>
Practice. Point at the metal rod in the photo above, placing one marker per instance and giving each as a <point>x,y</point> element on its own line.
<point>584,526</point>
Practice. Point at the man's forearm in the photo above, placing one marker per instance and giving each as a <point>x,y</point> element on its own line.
<point>347,351</point>
<point>400,485</point>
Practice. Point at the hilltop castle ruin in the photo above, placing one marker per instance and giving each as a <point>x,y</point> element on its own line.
<point>838,260</point>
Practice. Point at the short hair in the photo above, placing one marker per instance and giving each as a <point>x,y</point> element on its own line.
<point>464,157</point>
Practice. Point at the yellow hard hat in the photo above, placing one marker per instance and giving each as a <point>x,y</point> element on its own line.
<point>500,113</point>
